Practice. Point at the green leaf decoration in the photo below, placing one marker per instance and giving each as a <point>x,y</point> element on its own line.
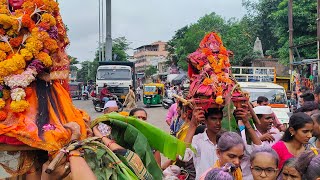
<point>158,139</point>
<point>229,122</point>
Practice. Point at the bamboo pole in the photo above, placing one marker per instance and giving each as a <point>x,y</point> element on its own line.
<point>6,147</point>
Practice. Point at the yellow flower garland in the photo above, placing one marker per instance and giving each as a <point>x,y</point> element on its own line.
<point>2,103</point>
<point>19,106</point>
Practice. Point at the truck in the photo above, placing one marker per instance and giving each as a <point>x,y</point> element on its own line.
<point>118,75</point>
<point>260,81</point>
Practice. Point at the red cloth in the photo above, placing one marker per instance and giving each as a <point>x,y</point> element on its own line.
<point>104,92</point>
<point>10,140</point>
<point>282,152</point>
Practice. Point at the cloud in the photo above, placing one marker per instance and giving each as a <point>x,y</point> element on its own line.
<point>140,21</point>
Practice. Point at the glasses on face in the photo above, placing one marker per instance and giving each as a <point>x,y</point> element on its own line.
<point>267,171</point>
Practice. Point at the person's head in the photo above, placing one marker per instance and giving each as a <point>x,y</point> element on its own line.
<point>300,128</point>
<point>306,97</point>
<point>110,106</point>
<point>224,173</point>
<point>309,107</point>
<point>16,4</point>
<point>289,172</point>
<point>303,89</point>
<point>308,164</point>
<point>139,113</point>
<point>230,148</point>
<point>105,85</point>
<point>265,115</point>
<point>264,163</point>
<point>316,125</point>
<point>179,107</point>
<point>213,119</point>
<point>263,101</point>
<point>317,94</point>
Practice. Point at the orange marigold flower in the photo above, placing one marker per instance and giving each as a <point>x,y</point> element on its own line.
<point>44,58</point>
<point>19,106</point>
<point>2,103</point>
<point>27,21</point>
<point>4,47</point>
<point>44,25</point>
<point>219,100</point>
<point>211,58</point>
<point>206,51</point>
<point>3,56</point>
<point>3,115</point>
<point>207,81</point>
<point>16,42</point>
<point>51,45</point>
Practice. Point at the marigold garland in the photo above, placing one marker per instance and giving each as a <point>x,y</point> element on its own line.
<point>29,34</point>
<point>2,103</point>
<point>19,106</point>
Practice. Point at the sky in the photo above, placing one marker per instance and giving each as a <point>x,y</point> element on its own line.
<point>140,21</point>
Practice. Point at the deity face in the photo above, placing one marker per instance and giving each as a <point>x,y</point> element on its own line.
<point>16,4</point>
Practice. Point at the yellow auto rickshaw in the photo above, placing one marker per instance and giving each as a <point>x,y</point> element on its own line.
<point>153,94</point>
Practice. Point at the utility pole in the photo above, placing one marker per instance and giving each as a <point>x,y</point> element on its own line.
<point>99,49</point>
<point>108,46</point>
<point>290,20</point>
<point>102,30</point>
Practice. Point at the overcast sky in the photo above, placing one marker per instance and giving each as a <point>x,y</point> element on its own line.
<point>140,21</point>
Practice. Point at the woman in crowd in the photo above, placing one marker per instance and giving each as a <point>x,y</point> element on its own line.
<point>296,137</point>
<point>230,149</point>
<point>264,164</point>
<point>289,171</point>
<point>308,164</point>
<point>140,113</point>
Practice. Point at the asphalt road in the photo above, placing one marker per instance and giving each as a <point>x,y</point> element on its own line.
<point>156,114</point>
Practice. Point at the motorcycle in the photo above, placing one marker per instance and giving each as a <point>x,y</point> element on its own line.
<point>99,105</point>
<point>167,102</point>
<point>85,95</point>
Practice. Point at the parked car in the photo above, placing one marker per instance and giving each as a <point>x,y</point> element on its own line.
<point>75,90</point>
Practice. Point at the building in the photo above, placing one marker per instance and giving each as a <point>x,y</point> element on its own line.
<point>154,54</point>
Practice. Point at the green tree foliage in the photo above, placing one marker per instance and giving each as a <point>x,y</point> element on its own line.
<point>73,62</point>
<point>119,47</point>
<point>304,25</point>
<point>151,70</point>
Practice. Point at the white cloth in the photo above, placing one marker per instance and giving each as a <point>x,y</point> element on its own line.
<point>263,110</point>
<point>110,104</point>
<point>205,155</point>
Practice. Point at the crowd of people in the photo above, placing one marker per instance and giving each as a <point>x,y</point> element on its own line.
<point>265,150</point>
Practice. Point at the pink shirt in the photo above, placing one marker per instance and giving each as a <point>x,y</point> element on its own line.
<point>172,113</point>
<point>283,152</point>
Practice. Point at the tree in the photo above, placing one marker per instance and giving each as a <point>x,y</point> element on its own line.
<point>150,70</point>
<point>73,62</point>
<point>119,47</point>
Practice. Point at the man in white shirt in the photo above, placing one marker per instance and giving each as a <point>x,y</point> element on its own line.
<point>267,133</point>
<point>204,144</point>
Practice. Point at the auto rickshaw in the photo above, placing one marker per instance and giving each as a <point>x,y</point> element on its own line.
<point>153,94</point>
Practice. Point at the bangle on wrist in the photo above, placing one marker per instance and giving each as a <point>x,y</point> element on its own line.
<point>75,154</point>
<point>110,143</point>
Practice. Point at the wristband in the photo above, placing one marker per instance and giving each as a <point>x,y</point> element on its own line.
<point>110,143</point>
<point>80,154</point>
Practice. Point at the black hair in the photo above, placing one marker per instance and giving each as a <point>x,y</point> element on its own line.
<point>211,111</point>
<point>308,164</point>
<point>317,90</point>
<point>297,121</point>
<point>316,117</point>
<point>265,149</point>
<point>262,99</point>
<point>307,97</point>
<point>307,106</point>
<point>304,88</point>
<point>133,111</point>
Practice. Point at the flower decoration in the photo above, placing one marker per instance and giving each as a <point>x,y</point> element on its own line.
<point>209,71</point>
<point>3,115</point>
<point>29,39</point>
<point>2,103</point>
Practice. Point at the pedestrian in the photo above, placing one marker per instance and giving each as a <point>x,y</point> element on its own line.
<point>317,95</point>
<point>130,100</point>
<point>289,170</point>
<point>172,113</point>
<point>110,106</point>
<point>309,107</point>
<point>306,97</point>
<point>264,163</point>
<point>296,137</point>
<point>138,91</point>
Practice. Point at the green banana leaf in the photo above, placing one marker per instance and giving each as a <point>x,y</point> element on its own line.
<point>129,137</point>
<point>158,139</point>
<point>229,122</point>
